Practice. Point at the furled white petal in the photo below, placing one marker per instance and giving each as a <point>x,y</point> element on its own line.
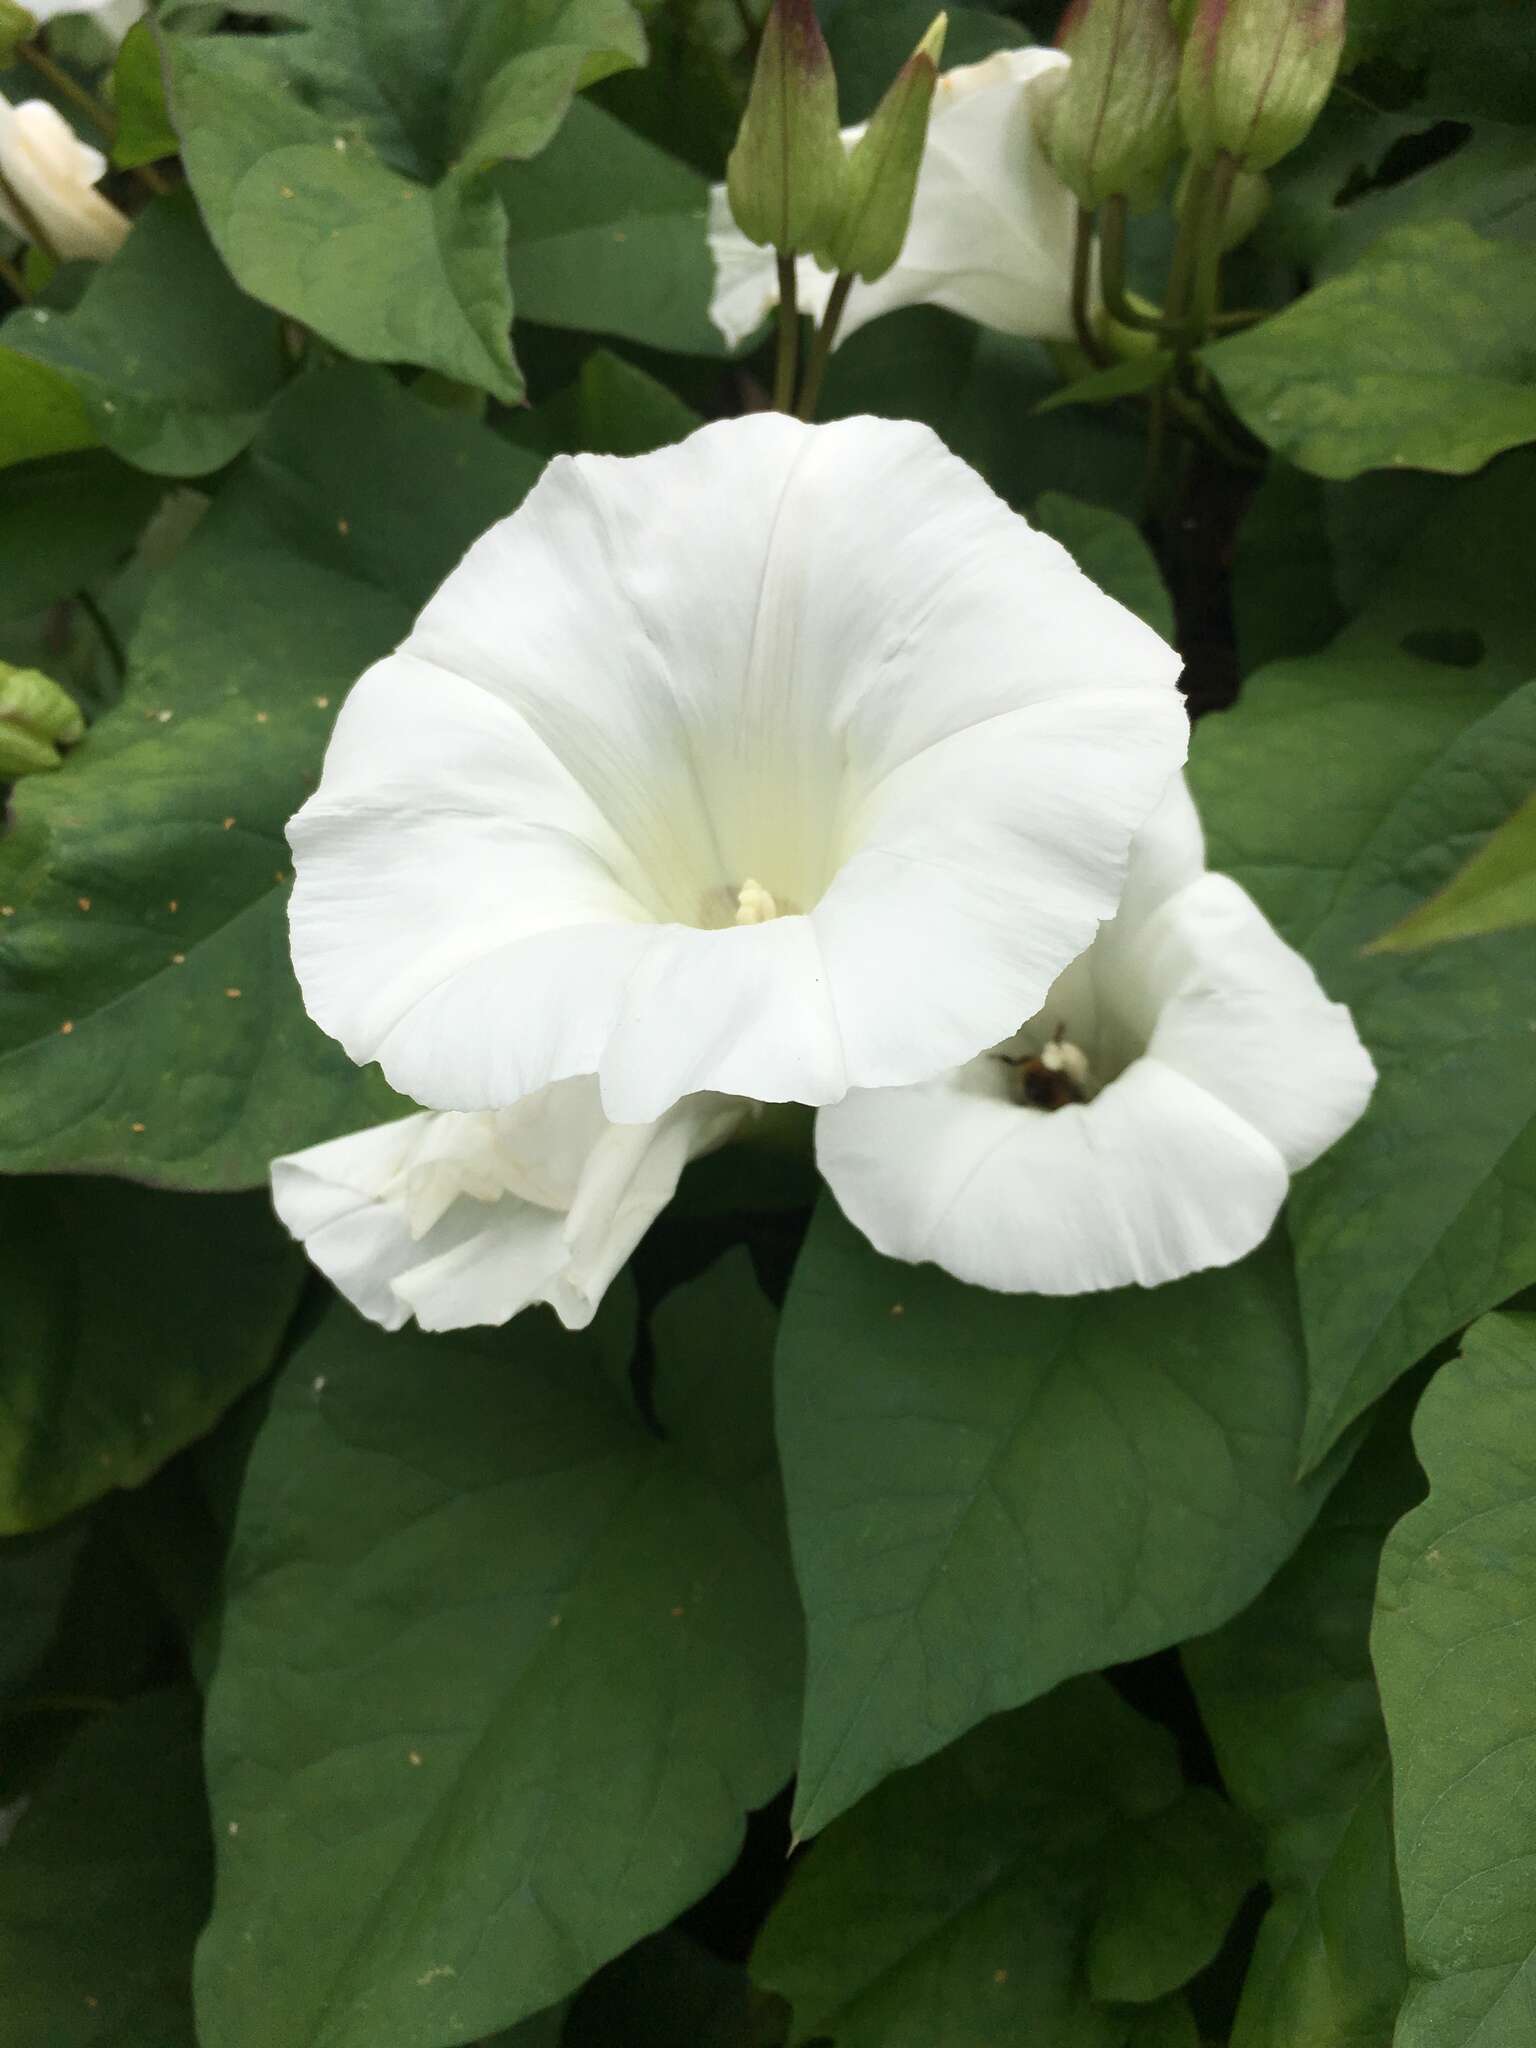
<point>818,670</point>
<point>116,17</point>
<point>1239,1011</point>
<point>1153,1179</point>
<point>49,173</point>
<point>992,225</point>
<point>461,1219</point>
<point>1219,1066</point>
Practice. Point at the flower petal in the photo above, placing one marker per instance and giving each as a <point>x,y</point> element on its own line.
<point>765,656</point>
<point>1240,1012</point>
<point>1151,1180</point>
<point>482,1257</point>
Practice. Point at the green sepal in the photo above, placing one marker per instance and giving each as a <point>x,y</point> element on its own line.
<point>17,26</point>
<point>883,167</point>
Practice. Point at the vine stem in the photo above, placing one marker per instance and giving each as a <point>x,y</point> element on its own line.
<point>96,111</point>
<point>1082,271</point>
<point>821,347</point>
<point>787,360</point>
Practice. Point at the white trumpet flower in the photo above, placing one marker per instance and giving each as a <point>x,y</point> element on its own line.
<point>1143,1124</point>
<point>779,762</point>
<point>46,178</point>
<point>464,1219</point>
<point>992,224</point>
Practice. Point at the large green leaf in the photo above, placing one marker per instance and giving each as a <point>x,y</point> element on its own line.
<point>1489,182</point>
<point>955,1903</point>
<point>107,1367</point>
<point>64,522</point>
<point>341,165</point>
<point>1470,56</point>
<point>144,974</point>
<point>173,364</point>
<point>1455,1649</point>
<point>1494,891</point>
<point>1107,546</point>
<point>988,1493</point>
<point>607,234</point>
<point>41,412</point>
<point>501,1670</point>
<point>1421,356</point>
<point>104,1885</point>
<point>1289,1701</point>
<point>1174,1883</point>
<point>1341,791</point>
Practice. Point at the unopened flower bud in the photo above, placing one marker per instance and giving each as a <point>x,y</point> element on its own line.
<point>788,173</point>
<point>47,175</point>
<point>17,26</point>
<point>37,718</point>
<point>1247,204</point>
<point>883,168</point>
<point>1255,76</point>
<point>1113,124</point>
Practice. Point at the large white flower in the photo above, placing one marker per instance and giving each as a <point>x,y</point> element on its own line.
<point>460,1219</point>
<point>782,761</point>
<point>46,178</point>
<point>992,225</point>
<point>1142,1125</point>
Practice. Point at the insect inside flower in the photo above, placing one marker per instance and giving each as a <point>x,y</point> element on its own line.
<point>1052,1077</point>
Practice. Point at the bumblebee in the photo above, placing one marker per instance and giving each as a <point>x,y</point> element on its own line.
<point>1051,1078</point>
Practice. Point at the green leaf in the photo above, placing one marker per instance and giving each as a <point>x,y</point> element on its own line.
<point>1174,1884</point>
<point>1495,890</point>
<point>144,131</point>
<point>104,1885</point>
<point>1283,596</point>
<point>1119,380</point>
<point>1421,356</point>
<point>1107,546</point>
<point>107,1369</point>
<point>989,1493</point>
<point>1471,56</point>
<point>1489,182</point>
<point>1453,1640</point>
<point>953,1903</point>
<point>174,365</point>
<point>64,522</point>
<point>41,413</point>
<point>607,235</point>
<point>611,409</point>
<point>341,166</point>
<point>1289,1701</point>
<point>183,1012</point>
<point>1341,791</point>
<point>501,1673</point>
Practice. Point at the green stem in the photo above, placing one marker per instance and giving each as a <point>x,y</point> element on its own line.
<point>821,347</point>
<point>1082,272</point>
<point>787,360</point>
<point>31,226</point>
<point>1208,263</point>
<point>1186,254</point>
<point>1112,270</point>
<point>69,87</point>
<point>106,631</point>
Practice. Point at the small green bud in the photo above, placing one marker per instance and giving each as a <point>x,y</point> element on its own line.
<point>883,168</point>
<point>788,173</point>
<point>36,719</point>
<point>1113,125</point>
<point>1247,204</point>
<point>16,27</point>
<point>1255,76</point>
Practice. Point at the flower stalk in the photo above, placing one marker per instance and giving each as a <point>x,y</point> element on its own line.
<point>821,347</point>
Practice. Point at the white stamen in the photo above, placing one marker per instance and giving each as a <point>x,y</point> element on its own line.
<point>754,904</point>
